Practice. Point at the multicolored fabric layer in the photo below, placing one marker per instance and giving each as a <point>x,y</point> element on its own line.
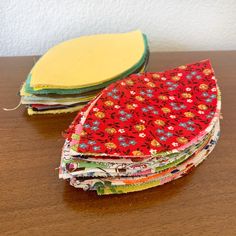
<point>144,130</point>
<point>68,70</point>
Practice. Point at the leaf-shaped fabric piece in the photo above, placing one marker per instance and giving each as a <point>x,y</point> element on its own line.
<point>150,113</point>
<point>143,131</point>
<point>75,71</point>
<point>88,60</point>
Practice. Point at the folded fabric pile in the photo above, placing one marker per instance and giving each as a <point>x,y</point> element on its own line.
<point>143,131</point>
<point>73,72</point>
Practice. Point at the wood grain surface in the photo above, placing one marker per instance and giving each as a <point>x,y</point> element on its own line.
<point>33,201</point>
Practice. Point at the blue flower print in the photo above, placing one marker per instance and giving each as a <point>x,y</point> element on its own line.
<point>121,138</point>
<point>122,112</point>
<point>116,97</point>
<point>123,144</point>
<point>169,83</point>
<point>96,148</point>
<point>128,115</point>
<point>189,76</point>
<point>187,125</point>
<point>171,88</point>
<point>123,118</point>
<point>113,93</point>
<point>132,142</point>
<point>190,128</point>
<point>149,91</point>
<point>190,122</point>
<point>205,94</point>
<point>125,115</point>
<point>208,100</point>
<point>91,142</point>
<point>83,145</point>
<point>96,122</point>
<point>168,134</point>
<point>163,138</point>
<point>176,108</point>
<point>86,125</point>
<point>182,124</point>
<point>210,115</point>
<point>149,95</point>
<point>159,131</point>
<point>94,128</point>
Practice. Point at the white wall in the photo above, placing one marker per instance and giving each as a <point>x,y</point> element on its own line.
<point>32,26</point>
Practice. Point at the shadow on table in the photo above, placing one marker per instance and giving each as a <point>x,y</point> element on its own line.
<point>88,201</point>
<point>49,126</point>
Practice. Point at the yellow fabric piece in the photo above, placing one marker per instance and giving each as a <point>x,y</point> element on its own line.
<point>88,60</point>
<point>57,111</point>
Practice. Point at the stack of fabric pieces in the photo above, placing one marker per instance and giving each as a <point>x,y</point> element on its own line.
<point>73,72</point>
<point>143,131</point>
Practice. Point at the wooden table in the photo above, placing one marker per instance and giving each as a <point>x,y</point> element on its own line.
<point>33,201</point>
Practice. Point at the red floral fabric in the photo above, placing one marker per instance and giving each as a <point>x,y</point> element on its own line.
<point>148,112</point>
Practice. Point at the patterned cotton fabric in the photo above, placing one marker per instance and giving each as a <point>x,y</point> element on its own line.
<point>143,131</point>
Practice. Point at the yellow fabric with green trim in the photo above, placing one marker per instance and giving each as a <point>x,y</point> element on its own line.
<point>88,61</point>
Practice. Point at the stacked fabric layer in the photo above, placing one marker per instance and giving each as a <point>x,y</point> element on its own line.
<point>73,72</point>
<point>143,131</point>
